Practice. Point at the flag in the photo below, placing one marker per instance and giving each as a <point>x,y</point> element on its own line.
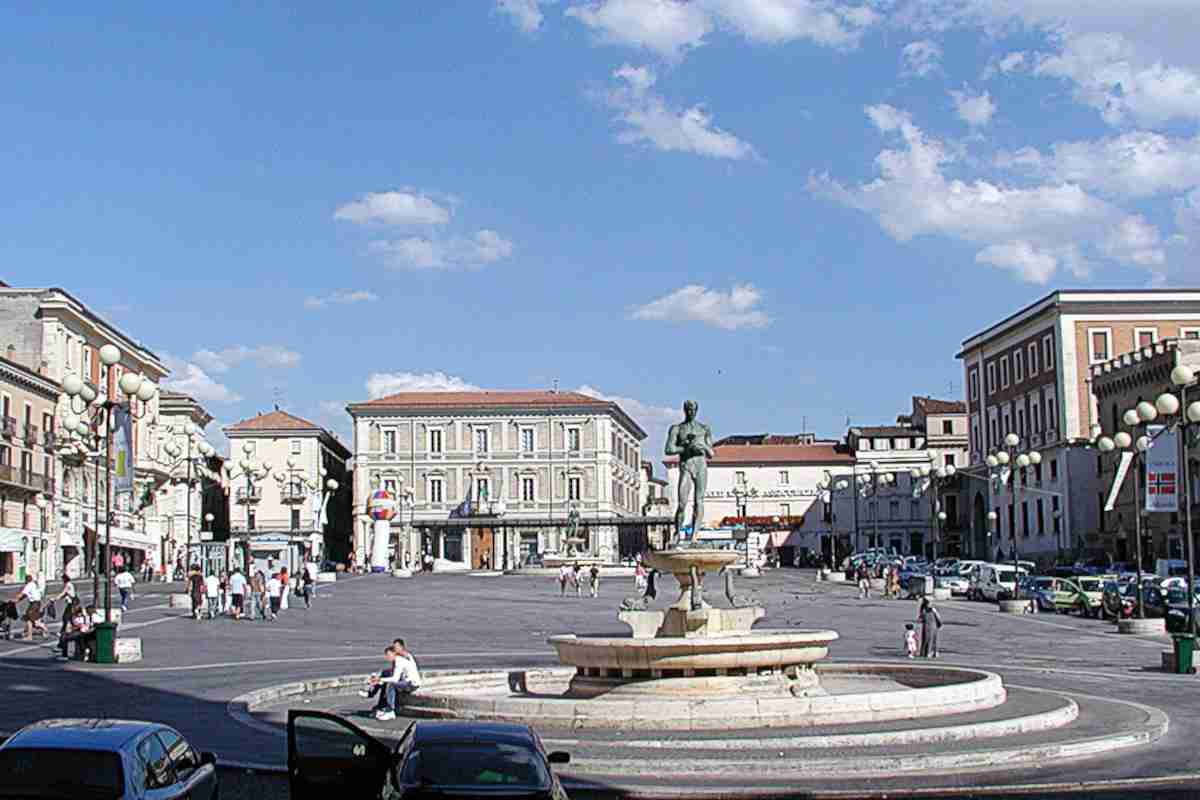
<point>122,434</point>
<point>1122,471</point>
<point>1162,469</point>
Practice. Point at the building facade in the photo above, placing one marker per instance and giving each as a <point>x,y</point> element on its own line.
<point>1030,374</point>
<point>487,479</point>
<point>29,491</point>
<point>177,503</point>
<point>53,334</point>
<point>280,514</point>
<point>1119,384</point>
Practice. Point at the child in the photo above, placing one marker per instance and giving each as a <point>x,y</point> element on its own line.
<point>910,639</point>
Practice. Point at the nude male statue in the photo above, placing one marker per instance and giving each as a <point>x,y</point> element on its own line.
<point>692,442</point>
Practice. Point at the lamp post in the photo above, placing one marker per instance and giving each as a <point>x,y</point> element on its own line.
<point>934,480</point>
<point>1003,466</point>
<point>191,436</point>
<point>82,400</point>
<point>253,474</point>
<point>827,486</point>
<point>869,486</point>
<point>992,516</point>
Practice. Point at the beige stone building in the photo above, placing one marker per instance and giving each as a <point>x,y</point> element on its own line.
<point>487,478</point>
<point>1030,374</point>
<point>183,516</point>
<point>29,491</point>
<point>290,512</point>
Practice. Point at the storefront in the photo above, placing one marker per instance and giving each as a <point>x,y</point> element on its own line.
<point>127,549</point>
<point>12,555</point>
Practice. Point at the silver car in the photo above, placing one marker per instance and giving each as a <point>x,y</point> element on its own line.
<point>57,759</point>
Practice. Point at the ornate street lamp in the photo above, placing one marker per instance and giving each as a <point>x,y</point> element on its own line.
<point>1002,466</point>
<point>191,437</point>
<point>254,474</point>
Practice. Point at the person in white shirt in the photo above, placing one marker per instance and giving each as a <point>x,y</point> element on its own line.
<point>124,582</point>
<point>404,680</point>
<point>237,593</point>
<point>32,593</point>
<point>212,593</point>
<point>274,592</point>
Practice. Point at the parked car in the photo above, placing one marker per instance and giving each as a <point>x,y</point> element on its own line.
<point>957,584</point>
<point>996,581</point>
<point>1118,599</point>
<point>61,759</point>
<point>1041,589</point>
<point>330,756</point>
<point>1177,608</point>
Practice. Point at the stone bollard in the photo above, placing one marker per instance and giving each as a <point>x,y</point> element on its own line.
<point>1142,627</point>
<point>183,601</point>
<point>1014,606</point>
<point>402,573</point>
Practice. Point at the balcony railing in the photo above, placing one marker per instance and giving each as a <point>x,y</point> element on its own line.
<point>272,524</point>
<point>48,440</point>
<point>8,427</point>
<point>31,435</point>
<point>26,479</point>
<point>245,495</point>
<point>292,494</point>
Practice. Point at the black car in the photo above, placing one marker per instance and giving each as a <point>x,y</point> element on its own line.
<point>329,756</point>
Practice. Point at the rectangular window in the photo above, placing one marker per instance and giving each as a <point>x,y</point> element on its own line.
<point>1054,513</point>
<point>1004,372</point>
<point>483,491</point>
<point>252,450</point>
<point>991,378</point>
<point>1189,333</point>
<point>1051,417</point>
<point>528,494</point>
<point>914,509</point>
<point>894,509</point>
<point>1048,352</point>
<point>527,440</point>
<point>973,382</point>
<point>1036,417</point>
<point>739,477</point>
<point>1021,421</point>
<point>1144,337</point>
<point>864,444</point>
<point>783,477</point>
<point>435,490</point>
<point>251,522</point>
<point>435,441</point>
<point>947,427</point>
<point>389,441</point>
<point>1053,469</point>
<point>482,436</point>
<point>295,447</point>
<point>1099,344</point>
<point>1018,366</point>
<point>785,510</point>
<point>948,460</point>
<point>1032,352</point>
<point>295,519</point>
<point>1041,518</point>
<point>573,439</point>
<point>1037,472</point>
<point>573,488</point>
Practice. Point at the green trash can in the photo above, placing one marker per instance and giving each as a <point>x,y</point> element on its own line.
<point>106,642</point>
<point>1185,648</point>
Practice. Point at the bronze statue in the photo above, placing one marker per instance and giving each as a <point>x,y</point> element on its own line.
<point>691,441</point>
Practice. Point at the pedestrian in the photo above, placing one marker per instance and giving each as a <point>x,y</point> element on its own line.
<point>405,679</point>
<point>910,639</point>
<point>196,590</point>
<point>639,576</point>
<point>305,589</point>
<point>285,587</point>
<point>864,582</point>
<point>311,571</point>
<point>32,593</point>
<point>894,582</point>
<point>76,625</point>
<point>260,594</point>
<point>274,590</point>
<point>594,580</point>
<point>124,582</point>
<point>212,592</point>
<point>564,574</point>
<point>70,595</point>
<point>575,580</point>
<point>237,593</point>
<point>930,621</point>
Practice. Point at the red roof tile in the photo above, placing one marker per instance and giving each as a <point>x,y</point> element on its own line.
<point>485,398</point>
<point>933,406</point>
<point>778,454</point>
<point>274,421</point>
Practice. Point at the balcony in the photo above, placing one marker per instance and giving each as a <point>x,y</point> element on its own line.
<point>8,427</point>
<point>31,435</point>
<point>26,479</point>
<point>272,525</point>
<point>48,441</point>
<point>251,496</point>
<point>293,495</point>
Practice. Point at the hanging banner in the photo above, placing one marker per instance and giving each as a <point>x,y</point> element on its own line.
<point>123,450</point>
<point>1162,469</point>
<point>1122,471</point>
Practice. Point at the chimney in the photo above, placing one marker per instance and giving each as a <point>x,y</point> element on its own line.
<point>10,352</point>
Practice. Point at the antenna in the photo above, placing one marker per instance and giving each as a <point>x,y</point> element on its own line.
<point>277,395</point>
<point>555,389</point>
<point>804,424</point>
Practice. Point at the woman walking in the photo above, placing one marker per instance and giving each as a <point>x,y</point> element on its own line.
<point>930,621</point>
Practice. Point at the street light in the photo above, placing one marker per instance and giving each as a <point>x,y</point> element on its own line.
<point>254,474</point>
<point>926,479</point>
<point>80,398</point>
<point>191,435</point>
<point>1002,466</point>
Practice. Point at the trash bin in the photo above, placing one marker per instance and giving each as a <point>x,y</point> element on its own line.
<point>1185,648</point>
<point>106,642</point>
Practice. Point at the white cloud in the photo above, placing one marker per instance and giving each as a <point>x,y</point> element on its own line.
<point>405,207</point>
<point>265,356</point>
<point>460,252</point>
<point>647,119</point>
<point>525,14</point>
<point>1006,64</point>
<point>1135,164</point>
<point>922,58</point>
<point>654,419</point>
<point>341,297</point>
<point>737,308</point>
<point>381,384</point>
<point>670,28</point>
<point>975,110</point>
<point>1018,228</point>
<point>190,379</point>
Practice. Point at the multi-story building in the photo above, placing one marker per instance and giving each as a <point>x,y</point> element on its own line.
<point>892,511</point>
<point>281,514</point>
<point>654,502</point>
<point>769,486</point>
<point>183,516</point>
<point>944,423</point>
<point>1029,374</point>
<point>28,468</point>
<point>488,478</point>
<point>55,335</point>
<point>1119,384</point>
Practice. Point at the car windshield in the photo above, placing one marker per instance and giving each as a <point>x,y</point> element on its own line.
<point>1004,576</point>
<point>1090,585</point>
<point>476,764</point>
<point>91,772</point>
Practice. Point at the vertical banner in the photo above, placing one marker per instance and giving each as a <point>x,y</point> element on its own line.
<point>123,445</point>
<point>1122,471</point>
<point>1162,469</point>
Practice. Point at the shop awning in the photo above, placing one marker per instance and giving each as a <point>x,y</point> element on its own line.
<point>12,540</point>
<point>122,537</point>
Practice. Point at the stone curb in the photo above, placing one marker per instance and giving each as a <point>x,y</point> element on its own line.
<point>1142,627</point>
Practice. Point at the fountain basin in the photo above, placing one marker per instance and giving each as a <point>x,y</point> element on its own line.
<point>722,655</point>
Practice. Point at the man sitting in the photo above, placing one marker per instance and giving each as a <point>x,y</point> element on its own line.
<point>404,680</point>
<point>375,685</point>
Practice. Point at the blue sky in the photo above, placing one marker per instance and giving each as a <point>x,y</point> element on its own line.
<point>792,210</point>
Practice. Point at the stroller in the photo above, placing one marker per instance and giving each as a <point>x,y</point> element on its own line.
<point>8,615</point>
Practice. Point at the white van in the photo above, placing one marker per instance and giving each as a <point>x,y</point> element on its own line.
<point>996,580</point>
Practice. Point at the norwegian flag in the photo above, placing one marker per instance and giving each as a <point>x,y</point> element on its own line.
<point>1161,483</point>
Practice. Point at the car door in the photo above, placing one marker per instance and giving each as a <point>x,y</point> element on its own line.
<point>160,782</point>
<point>194,779</point>
<point>1064,593</point>
<point>330,757</point>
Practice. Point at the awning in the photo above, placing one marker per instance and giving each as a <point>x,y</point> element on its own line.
<point>12,540</point>
<point>123,537</point>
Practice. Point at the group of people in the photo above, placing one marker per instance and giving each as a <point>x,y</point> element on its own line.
<point>574,575</point>
<point>924,643</point>
<point>261,596</point>
<point>398,679</point>
<point>889,573</point>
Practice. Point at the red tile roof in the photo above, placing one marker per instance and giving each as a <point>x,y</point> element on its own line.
<point>932,406</point>
<point>274,421</point>
<point>485,398</point>
<point>777,454</point>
